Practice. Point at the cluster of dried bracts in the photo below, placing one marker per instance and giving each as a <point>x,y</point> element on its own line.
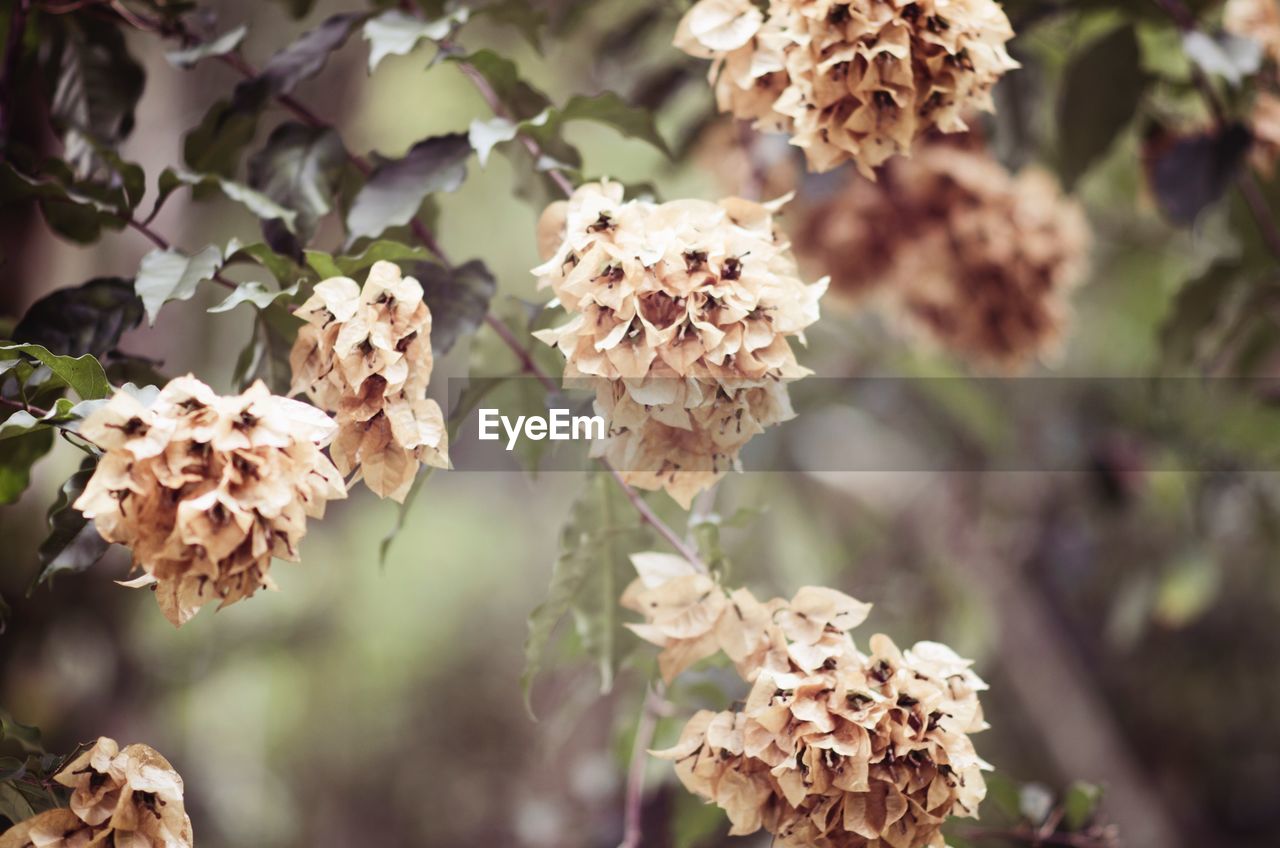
<point>681,316</point>
<point>206,489</point>
<point>833,748</point>
<point>122,798</point>
<point>976,258</point>
<point>365,355</point>
<point>853,82</point>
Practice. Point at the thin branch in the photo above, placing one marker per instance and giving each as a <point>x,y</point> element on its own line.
<point>37,412</point>
<point>164,244</point>
<point>633,818</point>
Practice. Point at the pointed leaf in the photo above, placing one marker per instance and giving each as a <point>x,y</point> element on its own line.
<point>219,46</point>
<point>167,275</point>
<point>397,187</point>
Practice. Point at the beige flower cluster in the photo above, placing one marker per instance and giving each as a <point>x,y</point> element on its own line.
<point>681,316</point>
<point>206,489</point>
<point>977,258</point>
<point>365,355</point>
<point>1259,20</point>
<point>851,81</point>
<point>130,798</point>
<point>833,748</point>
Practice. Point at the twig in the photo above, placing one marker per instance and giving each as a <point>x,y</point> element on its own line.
<point>633,818</point>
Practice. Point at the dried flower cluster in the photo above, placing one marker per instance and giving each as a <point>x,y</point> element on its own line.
<point>680,318</point>
<point>1258,20</point>
<point>205,489</point>
<point>833,748</point>
<point>130,798</point>
<point>979,259</point>
<point>365,355</point>
<point>851,81</point>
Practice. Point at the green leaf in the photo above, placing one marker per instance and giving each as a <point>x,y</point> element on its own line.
<point>89,318</point>
<point>383,250</point>
<point>297,8</point>
<point>300,61</point>
<point>485,135</point>
<point>266,357</point>
<point>396,33</point>
<point>215,145</point>
<point>1195,309</point>
<point>608,109</point>
<point>519,98</point>
<point>74,210</point>
<point>255,293</point>
<point>458,298</point>
<point>167,275</point>
<point>98,88</point>
<point>299,169</point>
<point>283,268</point>
<point>594,545</point>
<point>17,455</point>
<point>1103,86</point>
<point>252,199</point>
<point>397,187</point>
<point>1080,805</point>
<point>13,805</point>
<point>73,543</point>
<point>220,46</point>
<point>402,514</point>
<point>25,735</point>
<point>524,16</point>
<point>83,374</point>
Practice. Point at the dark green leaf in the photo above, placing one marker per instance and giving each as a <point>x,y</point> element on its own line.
<point>99,85</point>
<point>1190,173</point>
<point>220,46</point>
<point>1103,87</point>
<point>83,374</point>
<point>252,199</point>
<point>1195,309</point>
<point>73,543</point>
<point>297,8</point>
<point>299,168</point>
<point>458,298</point>
<point>402,515</point>
<point>167,275</point>
<point>75,211</point>
<point>284,269</point>
<point>266,357</point>
<point>520,99</point>
<point>17,455</point>
<point>352,266</point>
<point>13,804</point>
<point>1080,805</point>
<point>300,61</point>
<point>608,109</point>
<point>594,545</point>
<point>25,735</point>
<point>88,318</point>
<point>215,145</point>
<point>397,187</point>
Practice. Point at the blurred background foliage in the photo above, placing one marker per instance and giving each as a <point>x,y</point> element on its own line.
<point>1125,615</point>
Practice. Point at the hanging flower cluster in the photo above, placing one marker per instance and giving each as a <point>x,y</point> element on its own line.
<point>833,748</point>
<point>205,489</point>
<point>130,797</point>
<point>681,315</point>
<point>851,81</point>
<point>365,355</point>
<point>977,258</point>
<point>1259,21</point>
